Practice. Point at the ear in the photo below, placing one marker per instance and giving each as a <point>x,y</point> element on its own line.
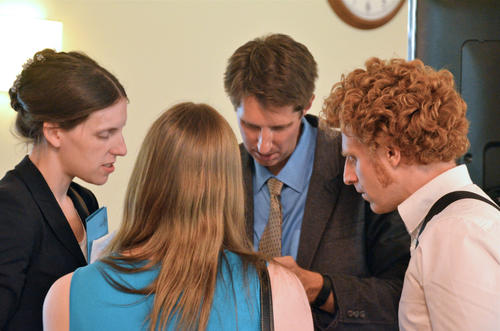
<point>308,106</point>
<point>392,155</point>
<point>52,134</point>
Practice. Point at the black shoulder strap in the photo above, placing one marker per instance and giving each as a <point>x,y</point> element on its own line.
<point>448,199</point>
<point>266,302</point>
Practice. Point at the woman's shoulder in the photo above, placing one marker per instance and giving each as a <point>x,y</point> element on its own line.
<point>56,305</point>
<point>232,256</point>
<point>277,272</point>
<point>91,279</point>
<point>237,261</point>
<point>59,289</point>
<point>102,274</point>
<point>23,177</point>
<point>100,271</point>
<point>90,270</point>
<point>240,268</point>
<point>18,206</point>
<point>12,187</point>
<point>20,188</point>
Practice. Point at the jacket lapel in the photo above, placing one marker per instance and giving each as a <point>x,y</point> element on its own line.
<point>49,207</point>
<point>326,180</point>
<point>322,195</point>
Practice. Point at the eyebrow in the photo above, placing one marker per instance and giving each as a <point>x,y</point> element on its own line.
<point>114,126</point>
<point>282,126</point>
<point>110,129</point>
<point>249,123</point>
<point>345,153</point>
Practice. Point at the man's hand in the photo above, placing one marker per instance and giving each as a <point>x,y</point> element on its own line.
<point>312,281</point>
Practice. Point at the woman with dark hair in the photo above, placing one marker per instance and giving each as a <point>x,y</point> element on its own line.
<point>72,111</point>
<point>181,259</point>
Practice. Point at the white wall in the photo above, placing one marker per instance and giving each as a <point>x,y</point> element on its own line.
<point>167,51</point>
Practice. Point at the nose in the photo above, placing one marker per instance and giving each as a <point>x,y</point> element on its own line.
<point>119,147</point>
<point>265,141</point>
<point>350,177</point>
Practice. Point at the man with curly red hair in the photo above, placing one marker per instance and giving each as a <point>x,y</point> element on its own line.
<point>403,127</point>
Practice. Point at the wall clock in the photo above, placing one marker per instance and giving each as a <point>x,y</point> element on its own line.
<point>366,14</point>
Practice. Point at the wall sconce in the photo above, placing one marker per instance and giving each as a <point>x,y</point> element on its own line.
<point>21,38</point>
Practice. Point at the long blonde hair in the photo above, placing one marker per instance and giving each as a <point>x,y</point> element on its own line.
<point>184,206</point>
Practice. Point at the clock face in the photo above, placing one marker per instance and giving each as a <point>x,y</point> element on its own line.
<point>371,9</point>
<point>366,14</point>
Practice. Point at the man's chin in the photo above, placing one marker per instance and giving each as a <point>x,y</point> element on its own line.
<point>266,164</point>
<point>265,161</point>
<point>378,209</point>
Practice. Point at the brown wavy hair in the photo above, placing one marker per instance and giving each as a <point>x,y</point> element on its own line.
<point>184,207</point>
<point>403,103</point>
<point>275,69</point>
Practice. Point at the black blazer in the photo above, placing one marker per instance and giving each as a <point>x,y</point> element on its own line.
<point>365,255</point>
<point>37,245</point>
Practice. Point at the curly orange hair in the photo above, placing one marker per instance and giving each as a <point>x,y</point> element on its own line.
<point>403,103</point>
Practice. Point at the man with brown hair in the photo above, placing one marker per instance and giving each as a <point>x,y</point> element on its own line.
<point>403,126</point>
<point>350,261</point>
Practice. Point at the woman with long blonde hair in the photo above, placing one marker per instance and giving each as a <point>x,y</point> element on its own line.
<point>181,259</point>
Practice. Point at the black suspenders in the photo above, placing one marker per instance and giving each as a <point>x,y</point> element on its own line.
<point>448,199</point>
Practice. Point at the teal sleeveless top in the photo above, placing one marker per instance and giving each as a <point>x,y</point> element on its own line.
<point>96,305</point>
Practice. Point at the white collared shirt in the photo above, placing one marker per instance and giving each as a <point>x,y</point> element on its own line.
<point>453,278</point>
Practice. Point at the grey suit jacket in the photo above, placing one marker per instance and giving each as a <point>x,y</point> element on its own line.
<point>365,255</point>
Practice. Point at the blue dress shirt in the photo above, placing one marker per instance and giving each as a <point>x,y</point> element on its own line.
<point>295,176</point>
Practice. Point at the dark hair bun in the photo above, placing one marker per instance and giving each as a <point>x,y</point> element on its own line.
<point>14,102</point>
<point>59,87</point>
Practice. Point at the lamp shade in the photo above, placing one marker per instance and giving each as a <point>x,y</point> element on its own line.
<point>21,38</point>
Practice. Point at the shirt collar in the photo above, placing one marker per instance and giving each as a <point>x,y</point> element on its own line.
<point>417,205</point>
<point>294,173</point>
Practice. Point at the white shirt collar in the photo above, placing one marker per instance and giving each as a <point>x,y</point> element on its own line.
<point>417,205</point>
